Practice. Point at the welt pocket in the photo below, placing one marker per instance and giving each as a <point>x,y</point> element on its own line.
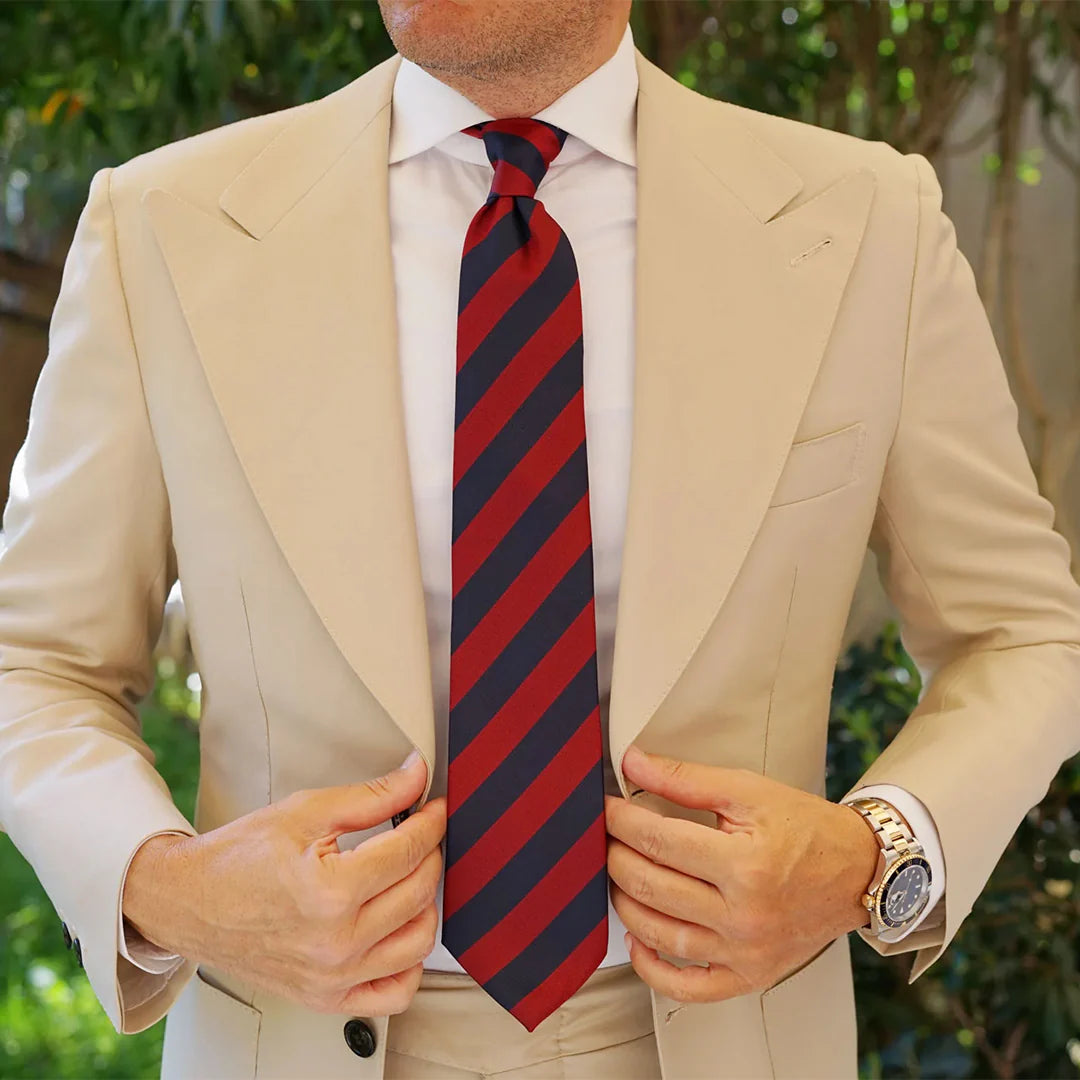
<point>819,465</point>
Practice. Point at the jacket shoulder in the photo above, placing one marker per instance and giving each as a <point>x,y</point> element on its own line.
<point>198,168</point>
<point>820,154</point>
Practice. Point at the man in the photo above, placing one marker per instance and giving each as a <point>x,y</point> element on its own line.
<point>334,368</point>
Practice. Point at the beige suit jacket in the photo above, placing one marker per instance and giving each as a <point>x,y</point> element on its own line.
<point>815,373</point>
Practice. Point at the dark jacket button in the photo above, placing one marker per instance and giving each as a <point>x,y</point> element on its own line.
<point>78,951</point>
<point>359,1038</point>
<point>67,935</point>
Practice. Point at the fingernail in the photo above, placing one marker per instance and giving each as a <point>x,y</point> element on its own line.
<point>626,938</point>
<point>633,754</point>
<point>411,760</point>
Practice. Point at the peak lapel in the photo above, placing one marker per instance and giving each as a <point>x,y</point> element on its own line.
<point>729,336</point>
<point>294,322</point>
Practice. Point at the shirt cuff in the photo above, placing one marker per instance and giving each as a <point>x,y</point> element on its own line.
<point>133,946</point>
<point>925,831</point>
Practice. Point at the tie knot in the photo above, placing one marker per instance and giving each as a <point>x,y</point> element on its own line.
<point>520,149</point>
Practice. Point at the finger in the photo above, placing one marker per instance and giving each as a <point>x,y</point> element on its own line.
<point>669,935</point>
<point>383,997</point>
<point>659,887</point>
<point>692,983</point>
<point>407,945</point>
<point>732,792</point>
<point>333,811</point>
<point>698,850</point>
<point>395,906</point>
<point>390,856</point>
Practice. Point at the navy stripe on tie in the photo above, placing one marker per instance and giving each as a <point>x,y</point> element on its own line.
<point>510,233</point>
<point>526,649</point>
<point>525,316</point>
<point>527,868</point>
<point>549,948</point>
<point>517,437</point>
<point>524,763</point>
<point>519,152</point>
<point>515,551</point>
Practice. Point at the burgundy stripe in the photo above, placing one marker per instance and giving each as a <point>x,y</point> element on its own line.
<point>517,380</point>
<point>510,180</point>
<point>487,217</point>
<point>471,766</point>
<point>538,133</point>
<point>565,980</point>
<point>505,618</point>
<point>519,822</point>
<point>505,287</point>
<point>512,497</point>
<point>532,914</point>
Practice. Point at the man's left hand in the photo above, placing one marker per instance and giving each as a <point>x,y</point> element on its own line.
<point>779,877</point>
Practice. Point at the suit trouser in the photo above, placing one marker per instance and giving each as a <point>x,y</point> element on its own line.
<point>454,1031</point>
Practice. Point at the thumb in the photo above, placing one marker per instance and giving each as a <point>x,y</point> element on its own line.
<point>351,807</point>
<point>734,793</point>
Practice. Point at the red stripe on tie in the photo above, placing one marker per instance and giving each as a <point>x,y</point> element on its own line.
<point>504,288</point>
<point>565,980</point>
<point>532,914</point>
<point>517,380</point>
<point>520,600</point>
<point>471,766</point>
<point>523,817</point>
<point>537,132</point>
<point>510,180</point>
<point>514,495</point>
<point>487,217</point>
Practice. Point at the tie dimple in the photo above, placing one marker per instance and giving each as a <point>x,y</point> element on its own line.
<point>520,150</point>
<point>525,894</point>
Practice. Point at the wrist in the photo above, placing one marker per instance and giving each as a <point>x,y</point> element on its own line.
<point>151,880</point>
<point>867,862</point>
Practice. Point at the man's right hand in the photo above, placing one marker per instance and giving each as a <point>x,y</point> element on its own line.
<point>270,898</point>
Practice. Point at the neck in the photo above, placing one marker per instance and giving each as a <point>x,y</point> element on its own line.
<point>526,94</point>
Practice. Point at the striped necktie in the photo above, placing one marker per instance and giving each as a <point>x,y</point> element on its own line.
<point>525,893</point>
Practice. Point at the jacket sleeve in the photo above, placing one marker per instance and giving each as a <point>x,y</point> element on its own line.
<point>86,567</point>
<point>989,610</point>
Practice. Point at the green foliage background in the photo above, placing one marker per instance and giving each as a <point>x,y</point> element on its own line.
<point>85,84</point>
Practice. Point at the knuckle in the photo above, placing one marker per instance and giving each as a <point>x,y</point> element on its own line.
<point>675,768</point>
<point>335,903</point>
<point>321,1002</point>
<point>424,893</point>
<point>399,998</point>
<point>641,887</point>
<point>652,842</point>
<point>378,786</point>
<point>649,935</point>
<point>417,849</point>
<point>296,802</point>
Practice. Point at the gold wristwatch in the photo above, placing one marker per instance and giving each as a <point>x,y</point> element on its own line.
<point>901,887</point>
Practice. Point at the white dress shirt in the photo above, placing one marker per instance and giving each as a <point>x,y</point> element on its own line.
<point>438,179</point>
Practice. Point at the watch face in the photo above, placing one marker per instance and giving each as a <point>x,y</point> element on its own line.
<point>906,892</point>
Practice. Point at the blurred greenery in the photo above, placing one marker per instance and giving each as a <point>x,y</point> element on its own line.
<point>51,1024</point>
<point>1003,1000</point>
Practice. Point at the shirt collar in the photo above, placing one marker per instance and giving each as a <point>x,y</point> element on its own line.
<point>598,113</point>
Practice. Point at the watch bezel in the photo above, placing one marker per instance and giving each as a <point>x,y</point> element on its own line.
<point>890,875</point>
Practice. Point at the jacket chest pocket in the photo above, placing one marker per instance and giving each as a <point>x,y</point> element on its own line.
<point>820,465</point>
